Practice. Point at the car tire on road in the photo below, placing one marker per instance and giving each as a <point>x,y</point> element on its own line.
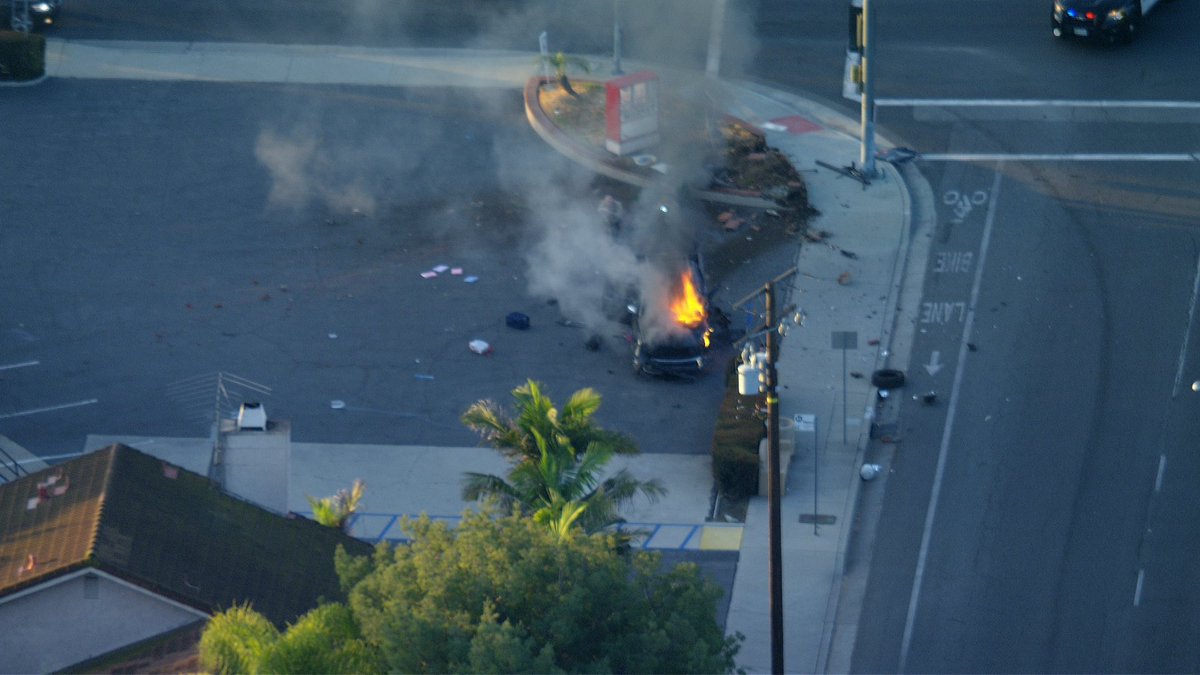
<point>887,378</point>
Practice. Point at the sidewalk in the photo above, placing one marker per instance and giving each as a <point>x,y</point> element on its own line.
<point>827,401</point>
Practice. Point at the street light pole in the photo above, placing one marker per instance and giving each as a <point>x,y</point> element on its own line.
<point>866,159</point>
<point>773,502</point>
<point>616,67</point>
<point>716,25</point>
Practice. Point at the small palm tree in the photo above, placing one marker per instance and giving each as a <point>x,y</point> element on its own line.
<point>337,510</point>
<point>558,459</point>
<point>561,64</point>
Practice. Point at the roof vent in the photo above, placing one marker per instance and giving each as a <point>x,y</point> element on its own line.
<point>252,417</point>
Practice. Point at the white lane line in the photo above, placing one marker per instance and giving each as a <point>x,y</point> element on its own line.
<point>1032,103</point>
<point>23,364</point>
<point>1162,468</point>
<point>1187,334</point>
<point>50,408</point>
<point>1137,591</point>
<point>1061,157</point>
<point>943,451</point>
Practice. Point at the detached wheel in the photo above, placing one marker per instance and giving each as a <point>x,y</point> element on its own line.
<point>887,379</point>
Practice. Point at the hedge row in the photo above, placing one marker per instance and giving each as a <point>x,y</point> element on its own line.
<point>22,56</point>
<point>738,432</point>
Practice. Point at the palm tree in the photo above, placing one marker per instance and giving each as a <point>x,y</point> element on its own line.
<point>561,63</point>
<point>336,511</point>
<point>558,459</point>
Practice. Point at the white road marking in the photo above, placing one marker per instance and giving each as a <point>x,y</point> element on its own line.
<point>1032,103</point>
<point>1187,334</point>
<point>1162,468</point>
<point>1137,591</point>
<point>23,364</point>
<point>50,408</point>
<point>943,451</point>
<point>1061,157</point>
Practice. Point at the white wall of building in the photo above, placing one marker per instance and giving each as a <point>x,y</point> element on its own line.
<point>60,624</point>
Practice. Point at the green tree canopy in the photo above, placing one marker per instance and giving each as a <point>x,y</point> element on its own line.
<point>494,595</point>
<point>326,640</point>
<point>508,595</point>
<point>558,459</point>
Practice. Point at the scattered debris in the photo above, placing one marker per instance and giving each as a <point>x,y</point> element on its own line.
<point>479,347</point>
<point>843,278</point>
<point>898,155</point>
<point>849,254</point>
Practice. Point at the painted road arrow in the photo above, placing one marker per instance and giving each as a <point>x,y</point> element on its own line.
<point>934,364</point>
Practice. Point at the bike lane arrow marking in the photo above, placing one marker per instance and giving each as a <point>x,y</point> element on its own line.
<point>934,364</point>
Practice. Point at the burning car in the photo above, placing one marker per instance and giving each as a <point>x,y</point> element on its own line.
<point>672,334</point>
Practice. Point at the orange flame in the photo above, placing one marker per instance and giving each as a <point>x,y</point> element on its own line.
<point>688,307</point>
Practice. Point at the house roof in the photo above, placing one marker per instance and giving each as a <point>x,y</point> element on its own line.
<point>168,530</point>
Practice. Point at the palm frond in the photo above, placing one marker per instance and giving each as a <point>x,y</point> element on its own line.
<point>477,486</point>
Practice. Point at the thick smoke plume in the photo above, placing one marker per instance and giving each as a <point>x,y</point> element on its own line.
<point>572,254</point>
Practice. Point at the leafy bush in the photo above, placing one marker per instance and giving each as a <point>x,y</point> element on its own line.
<point>736,438</point>
<point>22,56</point>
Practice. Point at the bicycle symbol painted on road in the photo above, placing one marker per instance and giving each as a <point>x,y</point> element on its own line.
<point>964,202</point>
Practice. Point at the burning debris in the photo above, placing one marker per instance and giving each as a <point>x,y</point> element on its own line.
<point>674,333</point>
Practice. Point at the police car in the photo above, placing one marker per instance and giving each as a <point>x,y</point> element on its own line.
<point>1112,20</point>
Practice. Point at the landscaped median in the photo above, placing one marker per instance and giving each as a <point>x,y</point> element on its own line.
<point>22,56</point>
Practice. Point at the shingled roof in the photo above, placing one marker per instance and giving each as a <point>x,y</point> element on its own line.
<point>167,530</point>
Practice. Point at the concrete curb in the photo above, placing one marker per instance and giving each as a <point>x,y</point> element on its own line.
<point>563,143</point>
<point>24,83</point>
<point>835,645</point>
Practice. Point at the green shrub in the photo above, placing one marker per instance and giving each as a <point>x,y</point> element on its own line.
<point>22,56</point>
<point>738,432</point>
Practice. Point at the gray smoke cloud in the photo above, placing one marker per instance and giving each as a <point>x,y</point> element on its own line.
<point>570,252</point>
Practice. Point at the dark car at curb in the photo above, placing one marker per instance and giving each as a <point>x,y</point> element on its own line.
<point>1111,20</point>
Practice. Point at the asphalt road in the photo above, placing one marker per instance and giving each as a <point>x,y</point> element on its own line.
<point>164,232</point>
<point>1058,543</point>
